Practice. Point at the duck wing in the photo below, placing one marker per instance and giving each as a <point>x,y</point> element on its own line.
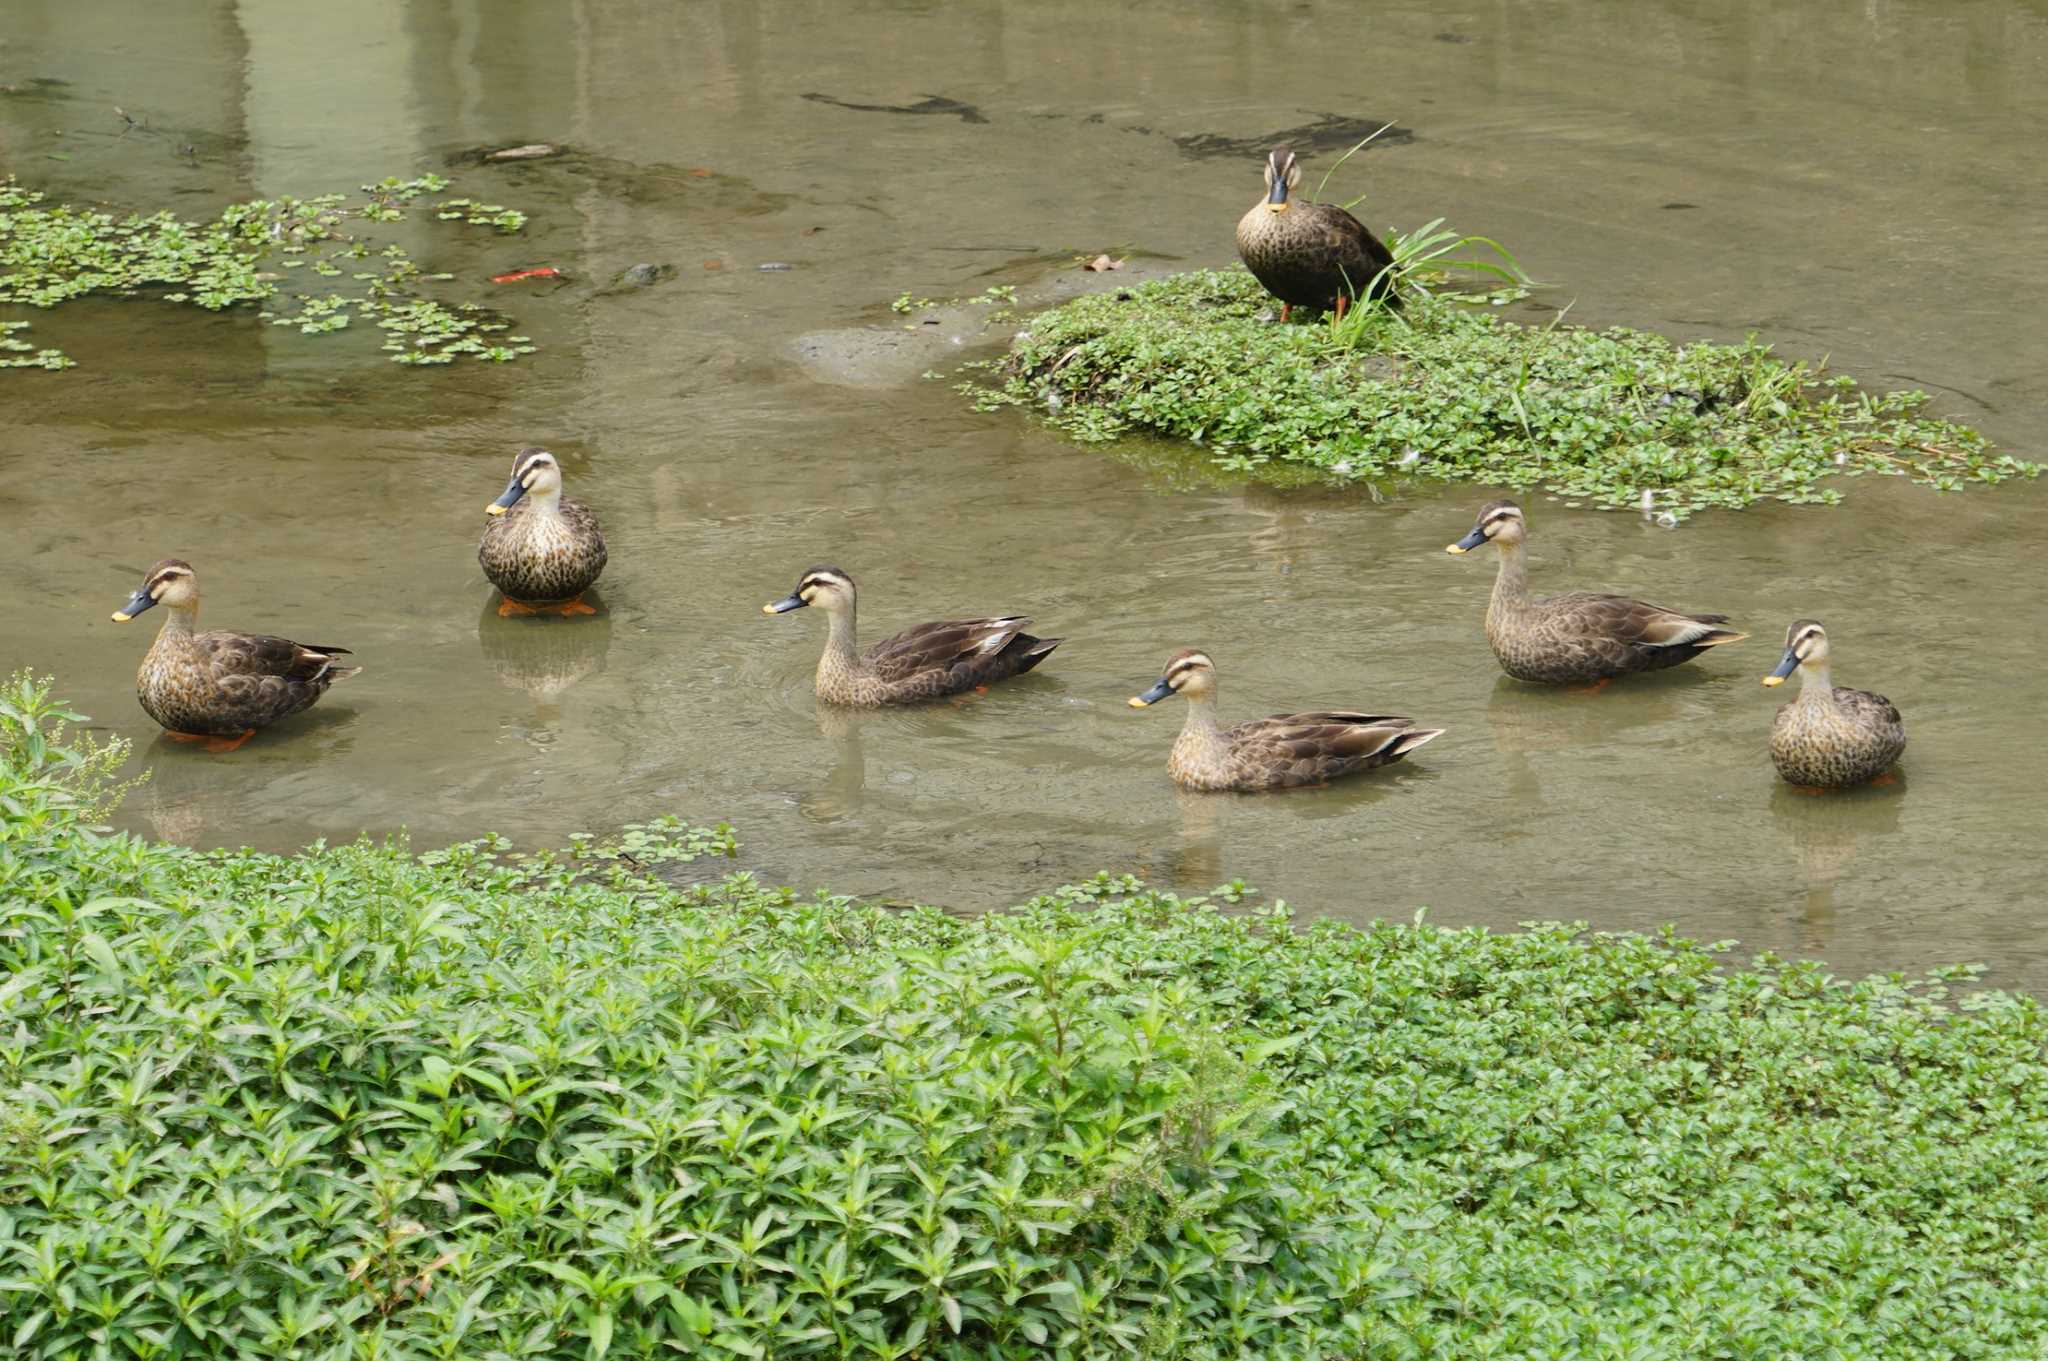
<point>1872,710</point>
<point>957,654</point>
<point>1636,622</point>
<point>1309,748</point>
<point>1350,246</point>
<point>265,677</point>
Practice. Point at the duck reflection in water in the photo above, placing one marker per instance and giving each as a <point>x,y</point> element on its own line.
<point>545,655</point>
<point>1831,836</point>
<point>843,793</point>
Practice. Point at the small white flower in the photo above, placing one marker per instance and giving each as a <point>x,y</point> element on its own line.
<point>1342,467</point>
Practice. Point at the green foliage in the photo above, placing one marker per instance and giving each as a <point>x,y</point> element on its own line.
<point>1444,389</point>
<point>53,253</point>
<point>361,1103</point>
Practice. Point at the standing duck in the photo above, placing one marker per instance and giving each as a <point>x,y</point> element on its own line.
<point>1830,736</point>
<point>541,551</point>
<point>1311,254</point>
<point>1579,638</point>
<point>220,687</point>
<point>923,662</point>
<point>1280,752</point>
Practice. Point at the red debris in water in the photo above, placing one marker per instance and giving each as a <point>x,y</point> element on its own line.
<point>544,272</point>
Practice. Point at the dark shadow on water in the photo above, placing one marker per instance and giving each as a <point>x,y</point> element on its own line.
<point>325,727</point>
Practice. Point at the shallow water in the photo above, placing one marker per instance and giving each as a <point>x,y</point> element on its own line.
<point>1854,180</point>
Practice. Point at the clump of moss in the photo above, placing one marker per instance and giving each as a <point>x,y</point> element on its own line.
<point>1446,389</point>
<point>51,253</point>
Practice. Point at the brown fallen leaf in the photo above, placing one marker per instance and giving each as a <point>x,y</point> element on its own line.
<point>714,264</point>
<point>700,172</point>
<point>1102,264</point>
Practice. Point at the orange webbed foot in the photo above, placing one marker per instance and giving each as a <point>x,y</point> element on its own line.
<point>1595,688</point>
<point>1889,777</point>
<point>509,608</point>
<point>213,741</point>
<point>569,607</point>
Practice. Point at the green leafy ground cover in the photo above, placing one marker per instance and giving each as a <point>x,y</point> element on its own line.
<point>1446,389</point>
<point>364,1103</point>
<point>53,253</point>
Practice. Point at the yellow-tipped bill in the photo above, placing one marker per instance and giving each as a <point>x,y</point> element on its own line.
<point>1774,680</point>
<point>495,509</point>
<point>1455,548</point>
<point>1160,690</point>
<point>136,604</point>
<point>1135,701</point>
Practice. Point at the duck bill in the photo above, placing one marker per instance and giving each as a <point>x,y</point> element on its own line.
<point>509,499</point>
<point>137,603</point>
<point>784,605</point>
<point>1787,664</point>
<point>1159,691</point>
<point>1276,197</point>
<point>1468,543</point>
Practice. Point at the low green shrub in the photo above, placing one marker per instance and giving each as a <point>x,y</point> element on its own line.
<point>1445,389</point>
<point>364,1103</point>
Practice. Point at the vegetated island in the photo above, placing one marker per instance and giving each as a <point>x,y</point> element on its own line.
<point>1449,389</point>
<point>364,1102</point>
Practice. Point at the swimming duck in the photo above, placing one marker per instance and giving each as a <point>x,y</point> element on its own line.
<point>1271,753</point>
<point>1830,736</point>
<point>220,687</point>
<point>541,551</point>
<point>1310,254</point>
<point>919,663</point>
<point>1580,637</point>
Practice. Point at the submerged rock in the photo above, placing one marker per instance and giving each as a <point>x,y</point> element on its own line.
<point>633,278</point>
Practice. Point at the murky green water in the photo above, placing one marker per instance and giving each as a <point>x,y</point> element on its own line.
<point>1857,180</point>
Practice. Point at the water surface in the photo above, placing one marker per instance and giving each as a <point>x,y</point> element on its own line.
<point>1852,180</point>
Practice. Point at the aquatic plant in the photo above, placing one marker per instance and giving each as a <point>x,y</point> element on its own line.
<point>1446,389</point>
<point>363,1103</point>
<point>53,253</point>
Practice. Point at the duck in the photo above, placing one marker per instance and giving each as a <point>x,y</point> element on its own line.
<point>540,550</point>
<point>1282,752</point>
<point>1579,638</point>
<point>219,687</point>
<point>923,662</point>
<point>1311,254</point>
<point>1830,737</point>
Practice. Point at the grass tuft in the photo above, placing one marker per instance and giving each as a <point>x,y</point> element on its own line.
<point>1444,389</point>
